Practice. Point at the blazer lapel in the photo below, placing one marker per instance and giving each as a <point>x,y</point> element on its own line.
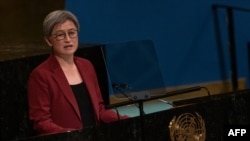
<point>63,84</point>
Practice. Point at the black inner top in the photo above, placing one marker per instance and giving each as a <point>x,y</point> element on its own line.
<point>84,104</point>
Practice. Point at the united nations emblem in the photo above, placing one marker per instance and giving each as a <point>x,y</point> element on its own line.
<point>187,127</point>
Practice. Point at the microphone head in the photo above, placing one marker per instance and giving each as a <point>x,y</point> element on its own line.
<point>124,86</point>
<point>115,85</point>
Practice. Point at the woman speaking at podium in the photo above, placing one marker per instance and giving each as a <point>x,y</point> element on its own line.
<point>63,91</point>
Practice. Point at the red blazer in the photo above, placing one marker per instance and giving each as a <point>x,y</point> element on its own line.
<point>52,104</point>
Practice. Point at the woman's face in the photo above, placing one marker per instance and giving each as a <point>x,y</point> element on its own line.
<point>64,39</point>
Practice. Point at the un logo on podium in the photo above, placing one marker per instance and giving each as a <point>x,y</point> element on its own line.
<point>187,127</point>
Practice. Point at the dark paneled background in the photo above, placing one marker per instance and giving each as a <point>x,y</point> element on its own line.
<point>21,20</point>
<point>21,26</point>
<point>20,39</point>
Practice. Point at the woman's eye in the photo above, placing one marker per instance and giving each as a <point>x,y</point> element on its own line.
<point>60,35</point>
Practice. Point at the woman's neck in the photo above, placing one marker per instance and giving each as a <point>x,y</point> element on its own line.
<point>65,60</point>
<point>70,69</point>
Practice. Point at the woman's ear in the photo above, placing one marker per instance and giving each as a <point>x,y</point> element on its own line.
<point>47,39</point>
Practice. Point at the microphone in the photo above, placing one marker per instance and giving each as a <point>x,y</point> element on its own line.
<point>124,86</point>
<point>118,87</point>
<point>115,86</point>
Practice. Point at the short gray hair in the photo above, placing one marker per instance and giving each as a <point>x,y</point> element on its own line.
<point>58,17</point>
